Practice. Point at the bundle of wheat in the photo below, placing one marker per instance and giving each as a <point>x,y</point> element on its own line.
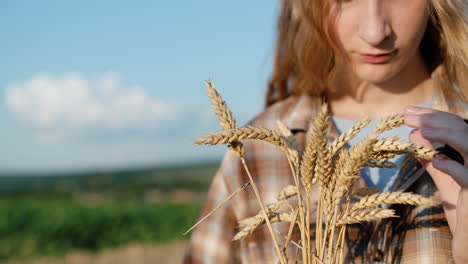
<point>332,166</point>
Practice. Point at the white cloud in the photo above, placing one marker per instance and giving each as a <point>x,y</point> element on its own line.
<point>74,101</point>
<point>75,122</point>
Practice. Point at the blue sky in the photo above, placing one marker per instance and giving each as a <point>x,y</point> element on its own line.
<point>115,84</point>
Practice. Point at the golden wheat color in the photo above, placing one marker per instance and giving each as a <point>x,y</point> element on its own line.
<point>332,166</point>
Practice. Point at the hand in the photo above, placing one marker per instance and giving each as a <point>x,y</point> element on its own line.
<point>450,177</point>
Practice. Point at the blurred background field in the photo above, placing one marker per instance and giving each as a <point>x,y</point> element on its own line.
<point>131,216</point>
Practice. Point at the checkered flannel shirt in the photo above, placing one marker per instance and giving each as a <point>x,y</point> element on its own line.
<point>419,235</point>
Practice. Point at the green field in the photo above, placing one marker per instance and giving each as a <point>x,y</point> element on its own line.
<point>49,215</point>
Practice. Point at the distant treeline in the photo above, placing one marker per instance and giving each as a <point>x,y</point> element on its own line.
<point>126,182</point>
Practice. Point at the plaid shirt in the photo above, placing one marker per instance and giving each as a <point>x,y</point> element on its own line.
<point>419,235</point>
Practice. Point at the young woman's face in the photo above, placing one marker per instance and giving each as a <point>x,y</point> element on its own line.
<point>380,37</point>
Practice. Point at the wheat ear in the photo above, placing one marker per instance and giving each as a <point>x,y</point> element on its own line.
<point>286,193</point>
<point>252,225</point>
<point>270,209</point>
<point>345,137</point>
<point>241,133</point>
<point>225,118</point>
<point>380,163</point>
<point>365,215</point>
<point>390,122</point>
<point>392,198</point>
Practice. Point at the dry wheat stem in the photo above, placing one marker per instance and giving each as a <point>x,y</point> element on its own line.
<point>265,215</point>
<point>219,206</point>
<point>332,235</point>
<point>300,207</point>
<point>392,198</point>
<point>343,229</point>
<point>290,230</point>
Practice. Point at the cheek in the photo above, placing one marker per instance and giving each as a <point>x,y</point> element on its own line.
<point>344,26</point>
<point>409,23</point>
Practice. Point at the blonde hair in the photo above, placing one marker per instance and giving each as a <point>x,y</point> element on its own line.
<point>306,56</point>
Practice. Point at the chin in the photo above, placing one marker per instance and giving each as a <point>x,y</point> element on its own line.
<point>376,73</point>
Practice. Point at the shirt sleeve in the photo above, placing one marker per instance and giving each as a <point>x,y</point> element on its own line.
<point>211,241</point>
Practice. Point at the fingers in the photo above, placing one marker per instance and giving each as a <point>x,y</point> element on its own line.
<point>452,168</point>
<point>440,127</point>
<point>426,117</point>
<point>417,138</point>
<point>454,138</point>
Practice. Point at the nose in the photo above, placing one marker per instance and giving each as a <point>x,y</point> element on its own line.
<point>374,26</point>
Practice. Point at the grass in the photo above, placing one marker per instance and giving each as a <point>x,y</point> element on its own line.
<point>46,215</point>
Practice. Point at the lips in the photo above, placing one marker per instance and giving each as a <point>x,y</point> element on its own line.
<point>376,58</point>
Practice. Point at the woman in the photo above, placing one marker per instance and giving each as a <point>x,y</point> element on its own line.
<point>367,59</point>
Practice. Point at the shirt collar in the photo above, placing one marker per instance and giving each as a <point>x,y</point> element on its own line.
<point>302,113</point>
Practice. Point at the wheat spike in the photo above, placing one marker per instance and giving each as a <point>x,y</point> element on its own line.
<point>237,134</point>
<point>252,225</point>
<point>286,193</point>
<point>291,149</point>
<point>365,191</point>
<point>317,146</point>
<point>352,162</point>
<point>308,162</point>
<point>390,145</point>
<point>226,121</point>
<point>381,155</point>
<point>390,122</point>
<point>287,134</point>
<point>392,198</point>
<point>380,163</point>
<point>345,137</point>
<point>270,208</point>
<point>398,147</point>
<point>365,215</point>
<point>225,118</point>
<point>421,152</point>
